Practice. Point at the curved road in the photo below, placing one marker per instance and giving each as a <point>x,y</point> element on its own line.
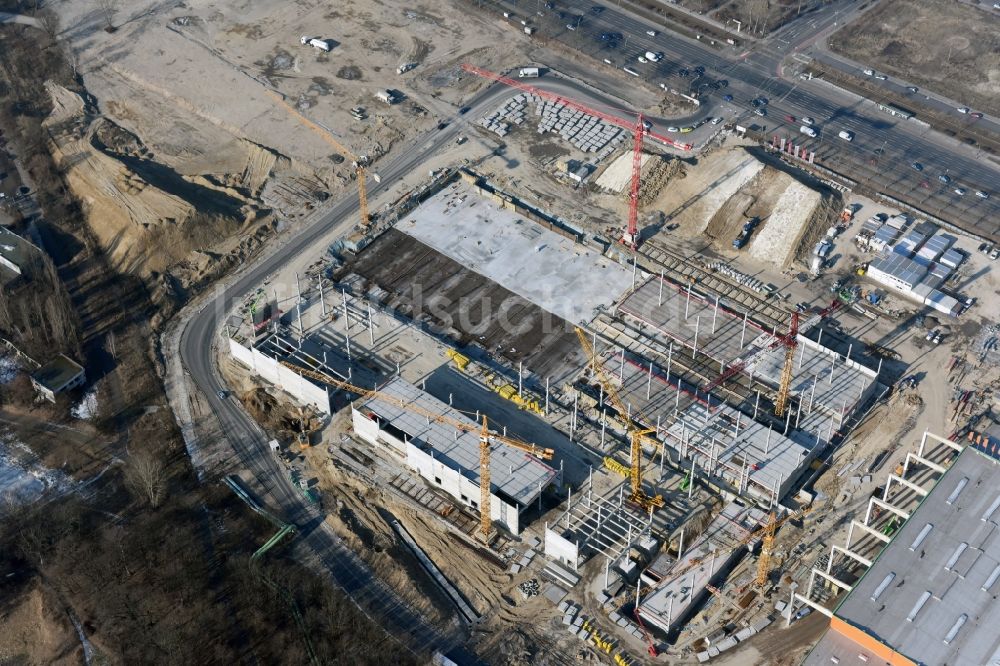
<point>318,544</point>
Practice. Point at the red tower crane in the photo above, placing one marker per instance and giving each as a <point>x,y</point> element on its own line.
<point>789,341</point>
<point>639,128</point>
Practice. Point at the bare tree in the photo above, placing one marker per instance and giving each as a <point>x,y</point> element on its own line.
<point>145,475</point>
<point>108,9</point>
<point>49,21</point>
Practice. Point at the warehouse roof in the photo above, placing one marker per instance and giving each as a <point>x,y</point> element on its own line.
<point>513,473</point>
<point>931,594</point>
<point>900,267</point>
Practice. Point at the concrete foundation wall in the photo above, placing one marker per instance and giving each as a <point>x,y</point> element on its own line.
<point>561,549</point>
<point>280,376</point>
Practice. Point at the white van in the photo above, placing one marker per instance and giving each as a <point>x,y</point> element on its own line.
<point>846,136</point>
<point>808,131</point>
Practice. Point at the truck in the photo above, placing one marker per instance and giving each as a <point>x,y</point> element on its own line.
<point>405,67</point>
<point>745,233</point>
<point>529,30</point>
<point>387,96</point>
<point>527,73</point>
<point>653,57</point>
<point>315,42</point>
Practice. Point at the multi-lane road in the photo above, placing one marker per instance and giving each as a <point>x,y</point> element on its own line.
<point>884,148</point>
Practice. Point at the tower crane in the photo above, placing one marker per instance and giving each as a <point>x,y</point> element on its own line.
<point>759,350</point>
<point>486,437</point>
<point>360,164</point>
<point>639,128</point>
<point>636,434</point>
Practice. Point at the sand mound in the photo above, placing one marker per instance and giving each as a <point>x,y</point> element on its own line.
<point>33,631</point>
<point>780,235</point>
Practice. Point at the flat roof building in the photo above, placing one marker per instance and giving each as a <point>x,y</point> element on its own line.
<point>930,596</point>
<point>59,375</point>
<point>448,458</point>
<point>13,254</point>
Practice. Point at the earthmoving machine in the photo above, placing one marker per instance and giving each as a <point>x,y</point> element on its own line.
<point>486,438</point>
<point>360,164</point>
<point>640,128</point>
<point>636,434</point>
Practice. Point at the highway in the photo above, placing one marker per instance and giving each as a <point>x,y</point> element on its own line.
<point>884,147</point>
<point>316,543</point>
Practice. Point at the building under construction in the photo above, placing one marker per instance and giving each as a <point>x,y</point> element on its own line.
<point>447,458</point>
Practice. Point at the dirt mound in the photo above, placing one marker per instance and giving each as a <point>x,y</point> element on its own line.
<point>728,220</point>
<point>35,630</point>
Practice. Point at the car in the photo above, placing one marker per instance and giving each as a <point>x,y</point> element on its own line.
<point>754,103</point>
<point>808,121</point>
<point>596,9</point>
<point>845,135</point>
<point>605,37</point>
<point>930,334</point>
<point>460,140</point>
<point>727,98</point>
<point>963,109</point>
<point>723,83</point>
<point>646,125</point>
<point>976,114</point>
<point>912,89</point>
<point>868,72</point>
<point>790,119</point>
<point>761,112</point>
<point>802,612</point>
<point>994,253</point>
<point>463,110</point>
<point>608,62</point>
<point>944,178</point>
<point>881,77</point>
<point>762,101</point>
<point>570,26</point>
<point>937,338</point>
<point>917,166</point>
<point>651,33</point>
<point>960,191</point>
<point>222,395</point>
<point>673,129</point>
<point>686,129</point>
<point>982,194</point>
<point>982,247</point>
<point>718,119</point>
<point>442,125</point>
<point>642,59</point>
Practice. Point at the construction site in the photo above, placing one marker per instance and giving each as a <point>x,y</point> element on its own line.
<point>645,448</point>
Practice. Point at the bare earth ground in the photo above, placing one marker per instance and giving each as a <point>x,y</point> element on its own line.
<point>948,47</point>
<point>186,161</point>
<point>36,630</point>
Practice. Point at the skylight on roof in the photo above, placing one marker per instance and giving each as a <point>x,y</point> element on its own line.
<point>917,606</point>
<point>920,537</point>
<point>884,584</point>
<point>954,556</point>
<point>953,632</point>
<point>958,489</point>
<point>993,507</point>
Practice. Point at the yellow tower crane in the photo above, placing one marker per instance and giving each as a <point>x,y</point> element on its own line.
<point>486,438</point>
<point>636,434</point>
<point>360,164</point>
<point>767,544</point>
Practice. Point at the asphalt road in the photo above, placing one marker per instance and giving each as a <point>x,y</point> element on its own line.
<point>317,542</point>
<point>754,71</point>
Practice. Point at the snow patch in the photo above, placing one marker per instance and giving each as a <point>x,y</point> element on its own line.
<point>87,407</point>
<point>8,368</point>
